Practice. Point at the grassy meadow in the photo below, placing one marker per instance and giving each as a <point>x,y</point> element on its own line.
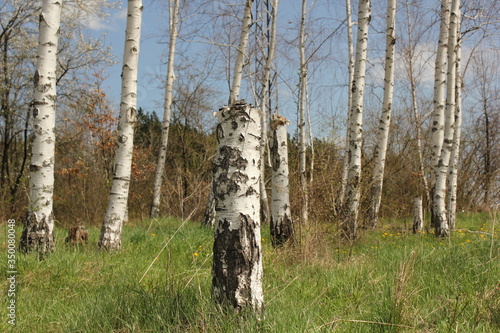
<point>389,280</point>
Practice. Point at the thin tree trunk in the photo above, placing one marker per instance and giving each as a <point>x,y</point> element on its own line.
<point>440,222</point>
<point>240,58</point>
<point>350,67</point>
<point>440,84</point>
<point>351,212</point>
<point>118,198</point>
<point>160,166</point>
<point>237,262</point>
<point>39,224</point>
<point>302,122</point>
<point>385,119</point>
<point>455,150</point>
<point>418,215</point>
<point>281,222</point>
<point>264,103</point>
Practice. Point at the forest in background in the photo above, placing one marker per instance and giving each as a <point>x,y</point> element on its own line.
<point>87,119</point>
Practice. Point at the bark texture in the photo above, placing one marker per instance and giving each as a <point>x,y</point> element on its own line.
<point>281,223</point>
<point>350,221</point>
<point>162,156</point>
<point>385,119</point>
<point>440,84</point>
<point>118,198</point>
<point>455,150</point>
<point>350,68</point>
<point>302,115</point>
<point>418,215</point>
<point>39,223</point>
<point>440,222</point>
<point>237,263</point>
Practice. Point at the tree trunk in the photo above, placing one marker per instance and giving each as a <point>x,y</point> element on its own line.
<point>302,119</point>
<point>418,215</point>
<point>350,67</point>
<point>440,84</point>
<point>350,221</point>
<point>240,58</point>
<point>237,263</point>
<point>209,218</point>
<point>440,222</point>
<point>160,166</point>
<point>118,198</point>
<point>39,224</point>
<point>455,150</point>
<point>264,103</point>
<point>281,221</point>
<point>385,119</point>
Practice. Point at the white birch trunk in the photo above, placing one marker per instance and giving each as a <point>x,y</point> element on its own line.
<point>439,204</point>
<point>385,119</point>
<point>209,218</point>
<point>265,99</point>
<point>418,215</point>
<point>118,198</point>
<point>160,166</point>
<point>440,85</point>
<point>281,221</point>
<point>350,68</point>
<point>455,151</point>
<point>237,263</point>
<point>39,224</point>
<point>302,121</point>
<point>240,58</point>
<point>351,211</point>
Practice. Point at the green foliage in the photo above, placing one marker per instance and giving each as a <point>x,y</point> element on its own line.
<point>388,281</point>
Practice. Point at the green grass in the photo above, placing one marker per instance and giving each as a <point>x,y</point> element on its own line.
<point>387,281</point>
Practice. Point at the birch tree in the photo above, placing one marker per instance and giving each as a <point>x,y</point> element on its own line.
<point>385,119</point>
<point>269,59</point>
<point>439,204</point>
<point>237,263</point>
<point>209,218</point>
<point>118,198</point>
<point>281,222</point>
<point>302,117</point>
<point>440,84</point>
<point>455,149</point>
<point>350,68</point>
<point>160,166</point>
<point>351,211</point>
<point>39,224</point>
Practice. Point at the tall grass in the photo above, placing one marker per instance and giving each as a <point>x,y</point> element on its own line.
<point>387,281</point>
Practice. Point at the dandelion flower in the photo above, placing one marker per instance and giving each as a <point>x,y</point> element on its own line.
<point>153,235</point>
<point>195,254</point>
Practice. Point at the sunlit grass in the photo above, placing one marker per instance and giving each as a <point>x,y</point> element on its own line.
<point>388,280</point>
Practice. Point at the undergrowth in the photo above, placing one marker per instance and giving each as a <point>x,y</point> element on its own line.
<point>388,280</point>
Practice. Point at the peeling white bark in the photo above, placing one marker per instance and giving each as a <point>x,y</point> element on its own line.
<point>385,119</point>
<point>39,224</point>
<point>281,218</point>
<point>160,166</point>
<point>118,198</point>
<point>237,263</point>
<point>350,222</point>
<point>455,150</point>
<point>439,204</point>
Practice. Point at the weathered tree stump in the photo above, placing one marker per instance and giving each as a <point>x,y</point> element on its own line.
<point>237,261</point>
<point>77,235</point>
